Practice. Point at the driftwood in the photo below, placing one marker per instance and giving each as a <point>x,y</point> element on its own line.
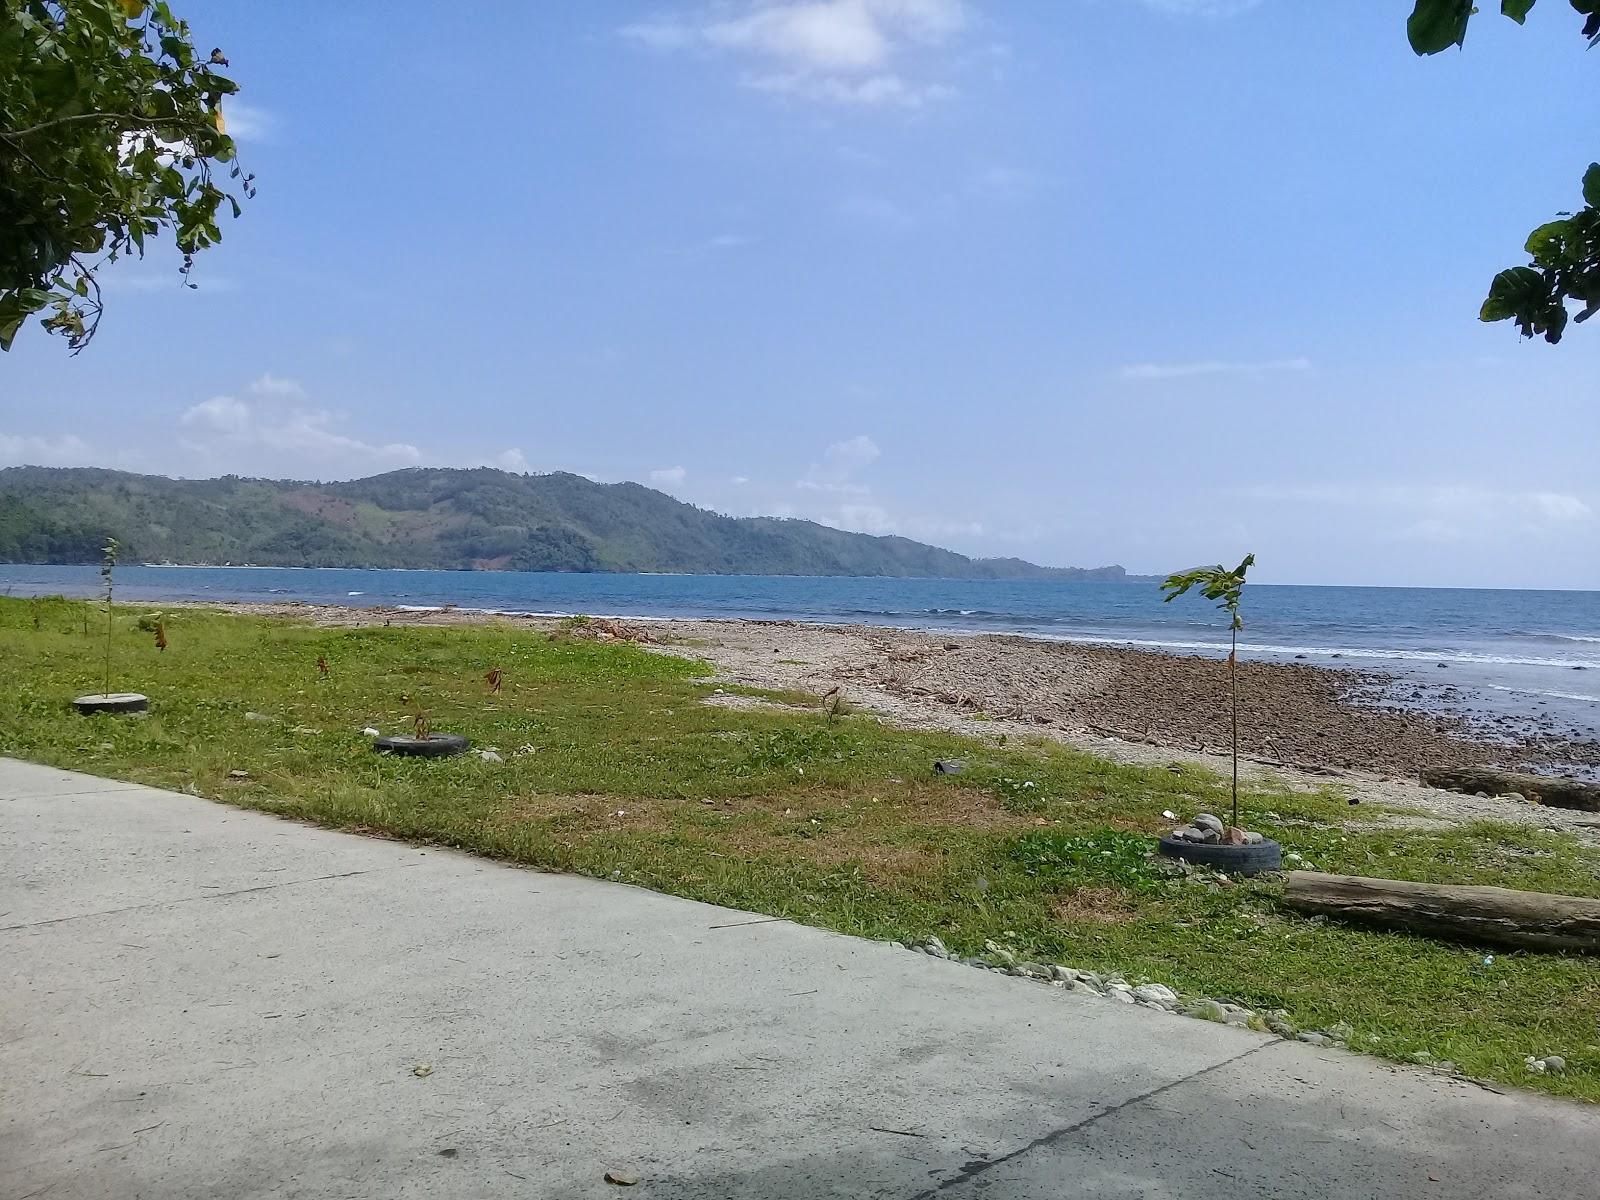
<point>1557,793</point>
<point>1499,916</point>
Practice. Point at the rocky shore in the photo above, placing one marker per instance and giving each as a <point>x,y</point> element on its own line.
<point>1127,702</point>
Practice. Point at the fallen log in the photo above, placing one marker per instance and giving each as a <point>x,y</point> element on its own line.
<point>1452,912</point>
<point>1546,789</point>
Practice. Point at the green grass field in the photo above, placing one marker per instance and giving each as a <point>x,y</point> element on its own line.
<point>614,767</point>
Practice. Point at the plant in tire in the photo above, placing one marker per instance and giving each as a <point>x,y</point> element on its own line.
<point>1227,589</point>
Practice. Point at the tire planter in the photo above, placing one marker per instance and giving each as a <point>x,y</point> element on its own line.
<point>1235,860</point>
<point>435,745</point>
<point>112,702</point>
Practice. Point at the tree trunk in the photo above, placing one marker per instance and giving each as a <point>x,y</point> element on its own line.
<point>1233,684</point>
<point>1557,793</point>
<point>1497,916</point>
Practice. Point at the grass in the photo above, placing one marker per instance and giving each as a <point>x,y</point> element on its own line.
<point>615,768</point>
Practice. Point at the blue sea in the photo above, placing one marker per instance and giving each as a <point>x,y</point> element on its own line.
<point>1526,654</point>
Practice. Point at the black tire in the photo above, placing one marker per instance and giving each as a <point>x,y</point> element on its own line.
<point>1235,860</point>
<point>116,702</point>
<point>435,745</point>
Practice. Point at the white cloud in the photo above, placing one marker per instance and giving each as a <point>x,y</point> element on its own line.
<point>512,460</point>
<point>247,122</point>
<point>220,414</point>
<point>739,480</point>
<point>840,462</point>
<point>269,384</point>
<point>669,476</point>
<point>1437,512</point>
<point>226,424</point>
<point>67,450</point>
<point>834,51</point>
<point>1211,367</point>
<point>1202,8</point>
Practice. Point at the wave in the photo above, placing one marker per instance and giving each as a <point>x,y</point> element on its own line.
<point>1458,656</point>
<point>1500,687</point>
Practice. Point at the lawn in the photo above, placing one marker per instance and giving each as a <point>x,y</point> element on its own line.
<point>615,766</point>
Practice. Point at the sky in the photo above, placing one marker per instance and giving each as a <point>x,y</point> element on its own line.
<point>1150,282</point>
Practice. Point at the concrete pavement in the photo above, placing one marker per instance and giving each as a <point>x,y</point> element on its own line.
<point>204,1002</point>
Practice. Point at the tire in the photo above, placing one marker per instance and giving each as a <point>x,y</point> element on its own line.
<point>1235,860</point>
<point>435,745</point>
<point>114,702</point>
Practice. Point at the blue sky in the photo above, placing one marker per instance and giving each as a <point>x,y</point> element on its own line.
<point>1139,281</point>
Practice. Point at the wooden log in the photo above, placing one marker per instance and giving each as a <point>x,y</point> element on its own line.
<point>1451,912</point>
<point>1546,789</point>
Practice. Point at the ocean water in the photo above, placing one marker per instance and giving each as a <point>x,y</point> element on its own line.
<point>1525,654</point>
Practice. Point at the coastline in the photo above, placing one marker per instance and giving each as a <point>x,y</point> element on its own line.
<point>1130,704</point>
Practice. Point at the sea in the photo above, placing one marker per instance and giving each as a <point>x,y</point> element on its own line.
<point>1497,654</point>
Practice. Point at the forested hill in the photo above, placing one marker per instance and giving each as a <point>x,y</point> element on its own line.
<point>444,519</point>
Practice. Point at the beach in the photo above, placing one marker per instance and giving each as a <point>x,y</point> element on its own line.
<point>1302,722</point>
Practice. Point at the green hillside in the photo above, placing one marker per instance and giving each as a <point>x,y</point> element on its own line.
<point>444,518</point>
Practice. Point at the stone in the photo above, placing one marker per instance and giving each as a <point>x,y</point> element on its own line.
<point>949,766</point>
<point>1281,1025</point>
<point>1188,833</point>
<point>1555,1062</point>
<point>1316,1039</point>
<point>1210,835</point>
<point>1207,1010</point>
<point>1084,988</point>
<point>1121,995</point>
<point>488,756</point>
<point>1064,974</point>
<point>975,962</point>
<point>1207,821</point>
<point>1233,836</point>
<point>1342,1031</point>
<point>1155,993</point>
<point>1252,838</point>
<point>1092,979</point>
<point>937,948</point>
<point>255,716</point>
<point>1237,1016</point>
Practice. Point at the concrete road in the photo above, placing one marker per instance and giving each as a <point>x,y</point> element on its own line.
<point>203,1002</point>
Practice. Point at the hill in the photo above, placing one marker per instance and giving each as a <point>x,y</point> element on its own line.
<point>448,519</point>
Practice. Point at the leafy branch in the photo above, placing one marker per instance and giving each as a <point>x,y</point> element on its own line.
<point>1565,252</point>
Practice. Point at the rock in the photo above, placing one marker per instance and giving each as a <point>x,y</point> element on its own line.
<point>1210,835</point>
<point>1122,995</point>
<point>1188,833</point>
<point>937,948</point>
<point>1252,838</point>
<point>1515,797</point>
<point>1084,988</point>
<point>1316,1039</point>
<point>1207,1010</point>
<point>1206,821</point>
<point>1234,1015</point>
<point>1155,993</point>
<point>238,774</point>
<point>488,756</point>
<point>1092,979</point>
<point>1536,1065</point>
<point>1341,1031</point>
<point>975,962</point>
<point>949,766</point>
<point>1554,1063</point>
<point>621,1178</point>
<point>255,716</point>
<point>1233,836</point>
<point>369,731</point>
<point>1278,1022</point>
<point>1448,1067</point>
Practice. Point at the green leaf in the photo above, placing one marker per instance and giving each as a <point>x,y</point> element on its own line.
<point>1517,10</point>
<point>1591,186</point>
<point>1436,25</point>
<point>1513,291</point>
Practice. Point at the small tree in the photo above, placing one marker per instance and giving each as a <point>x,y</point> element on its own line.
<point>108,563</point>
<point>1225,587</point>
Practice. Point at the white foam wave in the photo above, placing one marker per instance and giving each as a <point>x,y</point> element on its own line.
<point>1500,687</point>
<point>1457,656</point>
